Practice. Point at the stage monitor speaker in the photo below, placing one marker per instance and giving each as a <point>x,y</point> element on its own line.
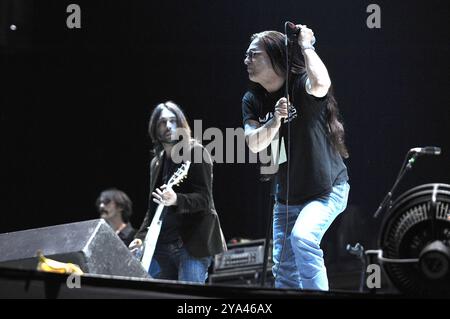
<point>92,245</point>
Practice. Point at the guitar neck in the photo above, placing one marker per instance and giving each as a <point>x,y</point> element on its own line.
<point>154,229</point>
<point>155,221</point>
<point>158,213</point>
<point>156,218</point>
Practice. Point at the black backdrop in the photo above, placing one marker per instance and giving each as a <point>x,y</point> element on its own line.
<point>75,103</point>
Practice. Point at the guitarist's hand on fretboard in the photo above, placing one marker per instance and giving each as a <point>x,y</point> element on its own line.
<point>165,196</point>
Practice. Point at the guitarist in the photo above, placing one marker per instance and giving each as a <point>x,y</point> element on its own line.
<point>190,233</point>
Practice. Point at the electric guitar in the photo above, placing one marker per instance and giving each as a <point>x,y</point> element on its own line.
<point>155,227</point>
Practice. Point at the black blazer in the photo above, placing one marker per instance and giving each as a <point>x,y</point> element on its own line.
<point>200,227</point>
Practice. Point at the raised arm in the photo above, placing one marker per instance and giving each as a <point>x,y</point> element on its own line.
<point>318,81</point>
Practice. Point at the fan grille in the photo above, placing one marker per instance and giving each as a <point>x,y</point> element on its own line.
<point>407,230</point>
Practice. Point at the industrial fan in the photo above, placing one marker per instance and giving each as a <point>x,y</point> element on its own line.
<point>417,229</point>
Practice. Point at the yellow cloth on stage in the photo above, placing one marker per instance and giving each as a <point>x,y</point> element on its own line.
<point>50,265</point>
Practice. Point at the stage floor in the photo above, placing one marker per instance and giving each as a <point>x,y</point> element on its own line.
<point>17,283</point>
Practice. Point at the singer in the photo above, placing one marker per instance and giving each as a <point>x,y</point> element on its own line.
<point>311,183</point>
<point>190,234</point>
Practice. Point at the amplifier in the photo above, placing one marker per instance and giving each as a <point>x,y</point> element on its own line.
<point>243,255</point>
<point>242,277</point>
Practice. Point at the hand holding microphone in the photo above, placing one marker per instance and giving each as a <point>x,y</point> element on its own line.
<point>303,34</point>
<point>281,109</point>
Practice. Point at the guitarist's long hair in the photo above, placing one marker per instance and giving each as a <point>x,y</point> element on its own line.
<point>182,123</point>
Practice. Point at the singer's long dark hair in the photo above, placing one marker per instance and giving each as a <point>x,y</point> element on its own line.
<point>182,123</point>
<point>273,42</point>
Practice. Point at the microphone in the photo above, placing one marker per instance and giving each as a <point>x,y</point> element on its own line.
<point>427,150</point>
<point>292,30</point>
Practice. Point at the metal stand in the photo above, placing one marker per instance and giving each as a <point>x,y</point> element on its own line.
<point>358,251</point>
<point>267,242</point>
<point>403,170</point>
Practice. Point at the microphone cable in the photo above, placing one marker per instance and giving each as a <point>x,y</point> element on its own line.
<point>286,93</point>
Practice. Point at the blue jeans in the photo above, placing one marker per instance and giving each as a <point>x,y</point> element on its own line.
<point>298,259</point>
<point>173,262</point>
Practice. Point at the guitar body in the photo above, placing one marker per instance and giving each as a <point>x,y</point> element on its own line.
<point>151,238</point>
<point>155,227</point>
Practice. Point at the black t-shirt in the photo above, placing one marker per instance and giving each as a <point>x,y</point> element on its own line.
<point>315,165</point>
<point>127,234</point>
<point>171,221</point>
